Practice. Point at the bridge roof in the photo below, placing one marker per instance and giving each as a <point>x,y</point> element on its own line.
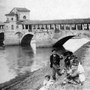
<point>64,21</point>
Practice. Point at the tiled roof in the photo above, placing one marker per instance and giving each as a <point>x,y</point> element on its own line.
<point>22,9</point>
<point>11,14</point>
<point>65,21</point>
<point>19,10</point>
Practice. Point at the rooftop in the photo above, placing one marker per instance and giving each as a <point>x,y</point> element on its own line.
<point>12,13</point>
<point>64,21</point>
<point>22,9</point>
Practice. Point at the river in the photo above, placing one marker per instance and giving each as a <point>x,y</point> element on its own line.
<point>15,60</point>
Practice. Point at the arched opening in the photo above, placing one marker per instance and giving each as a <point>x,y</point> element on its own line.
<point>26,40</point>
<point>1,39</point>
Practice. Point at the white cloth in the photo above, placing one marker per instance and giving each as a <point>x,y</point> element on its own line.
<point>82,77</point>
<point>80,68</point>
<point>81,73</point>
<point>46,84</point>
<point>43,88</point>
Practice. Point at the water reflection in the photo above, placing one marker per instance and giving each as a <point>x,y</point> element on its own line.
<point>19,58</point>
<point>41,58</point>
<point>5,73</point>
<point>15,60</point>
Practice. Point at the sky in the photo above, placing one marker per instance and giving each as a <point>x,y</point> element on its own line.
<point>48,9</point>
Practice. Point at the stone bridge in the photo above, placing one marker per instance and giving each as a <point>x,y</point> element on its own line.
<point>24,37</point>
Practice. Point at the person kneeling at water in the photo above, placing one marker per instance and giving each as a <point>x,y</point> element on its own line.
<point>47,83</point>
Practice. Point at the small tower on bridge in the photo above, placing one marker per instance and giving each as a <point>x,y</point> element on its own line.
<point>15,16</point>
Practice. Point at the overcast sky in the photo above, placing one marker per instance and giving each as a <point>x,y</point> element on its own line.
<point>48,9</point>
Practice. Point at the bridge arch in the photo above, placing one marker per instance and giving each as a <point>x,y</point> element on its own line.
<point>26,39</point>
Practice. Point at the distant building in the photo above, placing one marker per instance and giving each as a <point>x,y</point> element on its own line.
<point>16,15</point>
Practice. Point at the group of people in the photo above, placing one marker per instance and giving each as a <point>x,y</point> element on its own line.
<point>73,69</point>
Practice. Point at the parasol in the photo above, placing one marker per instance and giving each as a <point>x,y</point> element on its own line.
<point>70,43</point>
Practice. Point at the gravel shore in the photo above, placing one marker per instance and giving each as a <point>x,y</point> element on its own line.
<point>34,81</point>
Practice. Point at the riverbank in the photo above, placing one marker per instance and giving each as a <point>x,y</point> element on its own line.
<point>34,81</point>
<point>14,81</point>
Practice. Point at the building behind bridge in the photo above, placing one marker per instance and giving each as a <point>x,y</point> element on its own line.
<point>18,24</point>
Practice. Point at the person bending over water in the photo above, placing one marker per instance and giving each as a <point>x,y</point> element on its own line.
<point>55,64</point>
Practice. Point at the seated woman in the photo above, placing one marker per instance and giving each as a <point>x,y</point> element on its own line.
<point>75,74</point>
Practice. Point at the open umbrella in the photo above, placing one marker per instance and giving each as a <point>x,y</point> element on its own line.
<point>70,43</point>
<point>62,41</point>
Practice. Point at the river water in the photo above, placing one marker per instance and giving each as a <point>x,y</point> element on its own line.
<point>15,60</point>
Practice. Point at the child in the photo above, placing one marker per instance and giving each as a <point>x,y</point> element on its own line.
<point>47,83</point>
